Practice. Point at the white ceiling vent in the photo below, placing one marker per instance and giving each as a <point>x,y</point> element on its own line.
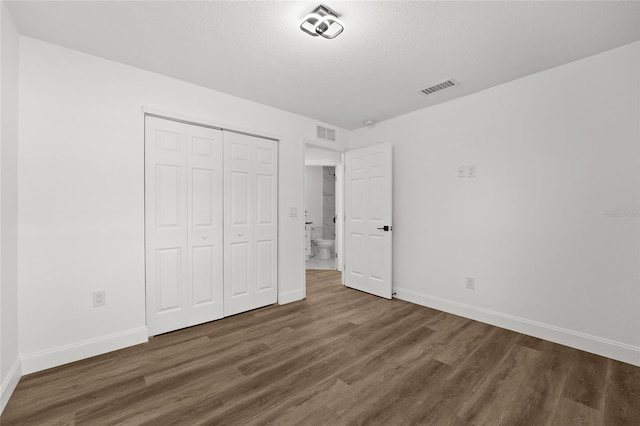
<point>438,87</point>
<point>326,134</point>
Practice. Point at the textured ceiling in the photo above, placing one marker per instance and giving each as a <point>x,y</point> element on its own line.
<point>373,70</point>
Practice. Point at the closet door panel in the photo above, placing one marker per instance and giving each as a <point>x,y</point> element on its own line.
<point>169,279</point>
<point>239,270</point>
<point>205,162</point>
<point>250,222</point>
<point>266,229</point>
<point>239,233</point>
<point>202,193</point>
<point>166,225</point>
<point>265,272</point>
<point>239,199</point>
<point>239,191</point>
<point>204,270</point>
<point>183,224</point>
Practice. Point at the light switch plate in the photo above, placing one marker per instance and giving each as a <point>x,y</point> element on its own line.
<point>293,212</point>
<point>99,298</point>
<point>462,171</point>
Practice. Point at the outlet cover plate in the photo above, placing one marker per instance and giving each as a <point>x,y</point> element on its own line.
<point>471,283</point>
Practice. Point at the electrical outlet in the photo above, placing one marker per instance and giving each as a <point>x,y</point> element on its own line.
<point>462,171</point>
<point>471,283</point>
<point>99,298</point>
<point>471,171</point>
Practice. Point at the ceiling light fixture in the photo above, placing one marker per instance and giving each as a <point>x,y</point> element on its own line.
<point>322,21</point>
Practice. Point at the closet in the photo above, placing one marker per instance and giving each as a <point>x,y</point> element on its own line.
<point>210,223</point>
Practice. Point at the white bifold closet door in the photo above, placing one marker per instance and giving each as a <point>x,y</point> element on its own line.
<point>250,216</point>
<point>183,224</point>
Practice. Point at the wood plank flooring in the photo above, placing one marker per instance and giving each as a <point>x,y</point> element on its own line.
<point>341,357</point>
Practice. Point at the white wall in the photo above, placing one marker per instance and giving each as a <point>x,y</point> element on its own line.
<point>318,156</point>
<point>81,195</point>
<point>554,152</point>
<point>313,194</point>
<point>9,362</point>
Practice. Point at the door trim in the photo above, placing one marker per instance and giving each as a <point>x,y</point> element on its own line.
<point>191,123</point>
<point>206,122</point>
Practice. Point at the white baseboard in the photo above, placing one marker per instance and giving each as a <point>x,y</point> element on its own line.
<point>597,345</point>
<point>9,384</point>
<point>290,296</point>
<point>60,355</point>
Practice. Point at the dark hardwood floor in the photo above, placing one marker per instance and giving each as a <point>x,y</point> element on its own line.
<point>339,357</point>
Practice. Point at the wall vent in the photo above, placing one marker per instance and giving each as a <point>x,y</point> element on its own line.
<point>438,87</point>
<point>326,134</point>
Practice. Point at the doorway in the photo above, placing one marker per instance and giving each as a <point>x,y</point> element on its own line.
<point>320,217</point>
<point>363,214</point>
<point>323,206</point>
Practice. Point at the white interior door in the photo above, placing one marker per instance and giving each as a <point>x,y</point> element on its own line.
<point>250,205</point>
<point>183,224</point>
<point>368,219</point>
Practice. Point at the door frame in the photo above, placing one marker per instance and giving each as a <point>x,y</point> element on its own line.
<point>339,166</point>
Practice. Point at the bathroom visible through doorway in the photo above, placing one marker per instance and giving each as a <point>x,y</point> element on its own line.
<point>323,207</point>
<point>320,217</point>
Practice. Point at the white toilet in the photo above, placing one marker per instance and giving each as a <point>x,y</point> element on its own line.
<point>324,248</point>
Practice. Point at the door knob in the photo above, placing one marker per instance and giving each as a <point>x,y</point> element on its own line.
<point>204,237</point>
<point>239,234</point>
<point>386,228</point>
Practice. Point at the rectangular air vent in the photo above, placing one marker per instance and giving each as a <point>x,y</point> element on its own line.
<point>326,134</point>
<point>438,87</point>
